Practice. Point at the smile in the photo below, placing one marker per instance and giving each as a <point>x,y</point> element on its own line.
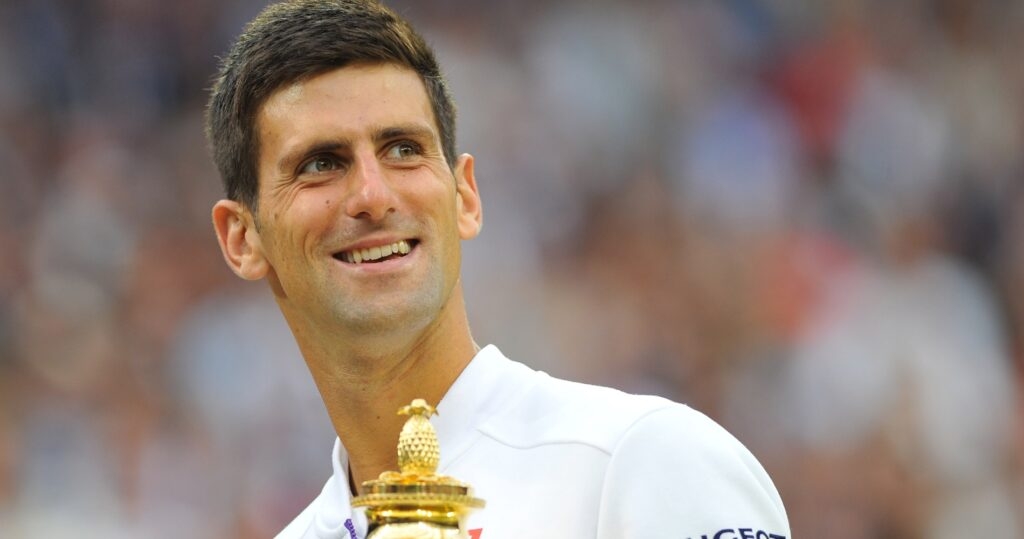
<point>378,253</point>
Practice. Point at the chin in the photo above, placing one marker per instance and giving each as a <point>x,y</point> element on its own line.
<point>404,315</point>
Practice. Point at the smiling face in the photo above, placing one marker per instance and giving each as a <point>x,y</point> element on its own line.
<point>359,215</point>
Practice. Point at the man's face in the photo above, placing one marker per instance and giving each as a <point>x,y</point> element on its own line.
<point>360,216</point>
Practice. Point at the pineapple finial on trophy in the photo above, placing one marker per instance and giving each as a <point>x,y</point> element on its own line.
<point>418,450</point>
<point>416,502</point>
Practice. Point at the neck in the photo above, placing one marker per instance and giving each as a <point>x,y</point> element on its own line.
<point>363,383</point>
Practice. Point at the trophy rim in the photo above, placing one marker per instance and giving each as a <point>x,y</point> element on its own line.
<point>421,495</point>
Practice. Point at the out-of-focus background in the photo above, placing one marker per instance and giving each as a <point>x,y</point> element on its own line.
<point>805,219</point>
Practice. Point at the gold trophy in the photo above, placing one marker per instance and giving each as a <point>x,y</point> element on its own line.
<point>416,503</point>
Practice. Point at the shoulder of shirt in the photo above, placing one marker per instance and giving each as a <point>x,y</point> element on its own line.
<point>659,452</point>
<point>555,411</point>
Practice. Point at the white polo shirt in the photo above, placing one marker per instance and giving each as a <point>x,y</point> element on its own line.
<point>559,460</point>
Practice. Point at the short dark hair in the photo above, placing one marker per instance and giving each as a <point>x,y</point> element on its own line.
<point>298,39</point>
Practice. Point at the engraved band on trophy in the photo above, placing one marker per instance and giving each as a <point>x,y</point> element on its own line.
<point>416,503</point>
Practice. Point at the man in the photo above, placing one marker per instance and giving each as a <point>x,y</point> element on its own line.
<point>333,130</point>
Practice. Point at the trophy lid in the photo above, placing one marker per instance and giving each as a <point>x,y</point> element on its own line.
<point>418,484</point>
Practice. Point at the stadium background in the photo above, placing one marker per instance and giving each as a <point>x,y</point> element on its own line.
<point>803,218</point>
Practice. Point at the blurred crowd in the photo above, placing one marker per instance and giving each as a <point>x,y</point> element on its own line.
<point>805,219</point>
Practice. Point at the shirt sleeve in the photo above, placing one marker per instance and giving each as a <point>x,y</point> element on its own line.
<point>675,473</point>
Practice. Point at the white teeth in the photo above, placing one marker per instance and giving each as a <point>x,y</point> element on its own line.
<point>357,256</point>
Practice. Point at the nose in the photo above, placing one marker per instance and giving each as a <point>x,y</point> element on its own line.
<point>370,196</point>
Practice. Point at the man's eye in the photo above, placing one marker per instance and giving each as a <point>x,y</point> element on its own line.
<point>320,164</point>
<point>403,150</point>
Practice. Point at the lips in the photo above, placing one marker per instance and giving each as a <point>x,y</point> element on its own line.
<point>377,253</point>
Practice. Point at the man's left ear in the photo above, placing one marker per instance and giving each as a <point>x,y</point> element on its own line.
<point>470,213</point>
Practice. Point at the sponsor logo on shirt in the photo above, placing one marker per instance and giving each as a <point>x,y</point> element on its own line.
<point>741,533</point>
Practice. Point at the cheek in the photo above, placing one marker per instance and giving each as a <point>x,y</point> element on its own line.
<point>311,210</point>
<point>295,230</point>
<point>438,195</point>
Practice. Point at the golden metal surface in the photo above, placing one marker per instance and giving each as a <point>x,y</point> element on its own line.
<point>415,530</point>
<point>416,502</point>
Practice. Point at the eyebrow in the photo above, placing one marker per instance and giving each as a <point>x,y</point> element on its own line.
<point>399,131</point>
<point>380,134</point>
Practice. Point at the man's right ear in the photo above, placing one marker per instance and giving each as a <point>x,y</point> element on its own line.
<point>239,240</point>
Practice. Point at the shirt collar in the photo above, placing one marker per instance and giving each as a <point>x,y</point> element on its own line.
<point>334,517</point>
<point>483,388</point>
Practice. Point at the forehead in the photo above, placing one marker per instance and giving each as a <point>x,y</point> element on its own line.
<point>345,102</point>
